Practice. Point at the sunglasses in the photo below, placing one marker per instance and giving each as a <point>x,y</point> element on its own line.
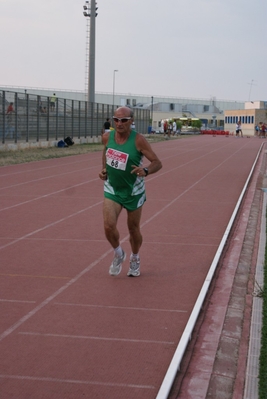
<point>122,120</point>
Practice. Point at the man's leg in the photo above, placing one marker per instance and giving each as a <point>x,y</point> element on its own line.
<point>111,212</point>
<point>133,221</point>
<point>136,239</point>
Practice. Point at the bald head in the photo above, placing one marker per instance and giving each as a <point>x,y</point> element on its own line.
<point>127,111</point>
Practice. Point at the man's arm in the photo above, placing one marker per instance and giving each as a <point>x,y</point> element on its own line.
<point>155,164</point>
<point>103,173</point>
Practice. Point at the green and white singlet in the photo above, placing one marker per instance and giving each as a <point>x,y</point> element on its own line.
<point>121,185</point>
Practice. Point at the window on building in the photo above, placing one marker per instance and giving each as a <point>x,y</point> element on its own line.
<point>252,119</point>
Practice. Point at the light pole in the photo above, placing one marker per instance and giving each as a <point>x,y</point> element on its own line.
<point>90,12</point>
<point>115,70</point>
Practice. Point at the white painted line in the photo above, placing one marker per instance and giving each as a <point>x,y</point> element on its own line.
<point>139,341</point>
<point>16,301</point>
<point>44,178</point>
<point>11,329</point>
<point>56,165</point>
<point>49,225</point>
<point>120,307</point>
<point>47,195</point>
<point>60,380</point>
<point>186,336</point>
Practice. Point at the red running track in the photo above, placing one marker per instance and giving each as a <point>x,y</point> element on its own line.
<point>68,329</point>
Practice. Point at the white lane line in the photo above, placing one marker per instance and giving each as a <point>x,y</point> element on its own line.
<point>52,297</point>
<point>16,301</point>
<point>120,307</point>
<point>48,195</point>
<point>139,341</point>
<point>44,178</point>
<point>58,165</point>
<point>70,381</point>
<point>49,225</point>
<point>190,162</point>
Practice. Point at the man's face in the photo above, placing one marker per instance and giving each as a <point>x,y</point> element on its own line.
<point>123,126</point>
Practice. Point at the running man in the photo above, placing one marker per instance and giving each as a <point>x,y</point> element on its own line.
<point>124,175</point>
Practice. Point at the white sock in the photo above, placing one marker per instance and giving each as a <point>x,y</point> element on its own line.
<point>118,251</point>
<point>134,256</point>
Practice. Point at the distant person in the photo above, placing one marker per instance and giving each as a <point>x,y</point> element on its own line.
<point>263,130</point>
<point>257,129</point>
<point>53,100</point>
<point>162,126</point>
<point>10,109</point>
<point>240,129</point>
<point>107,125</point>
<point>169,129</point>
<point>165,127</point>
<point>174,128</point>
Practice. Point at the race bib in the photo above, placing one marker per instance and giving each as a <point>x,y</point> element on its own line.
<point>116,159</point>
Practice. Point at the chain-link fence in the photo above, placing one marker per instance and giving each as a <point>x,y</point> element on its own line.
<point>29,117</point>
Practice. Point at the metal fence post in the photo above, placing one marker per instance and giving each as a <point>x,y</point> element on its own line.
<point>16,117</point>
<point>4,117</point>
<point>85,116</point>
<point>91,118</point>
<point>56,119</point>
<point>48,117</point>
<point>64,120</point>
<point>38,116</point>
<point>27,117</point>
<point>72,118</point>
<point>79,119</point>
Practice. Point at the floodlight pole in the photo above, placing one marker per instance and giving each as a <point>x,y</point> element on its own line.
<point>115,70</point>
<point>90,12</point>
<point>91,76</point>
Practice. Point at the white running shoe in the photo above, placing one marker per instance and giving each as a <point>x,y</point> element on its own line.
<point>116,264</point>
<point>134,269</point>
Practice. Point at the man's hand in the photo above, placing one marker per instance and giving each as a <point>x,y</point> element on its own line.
<point>103,174</point>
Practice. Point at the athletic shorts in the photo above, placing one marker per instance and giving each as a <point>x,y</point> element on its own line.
<point>131,204</point>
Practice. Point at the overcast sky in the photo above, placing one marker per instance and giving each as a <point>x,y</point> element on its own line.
<point>181,48</point>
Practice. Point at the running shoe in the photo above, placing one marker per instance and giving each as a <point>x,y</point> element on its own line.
<point>134,269</point>
<point>116,264</point>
